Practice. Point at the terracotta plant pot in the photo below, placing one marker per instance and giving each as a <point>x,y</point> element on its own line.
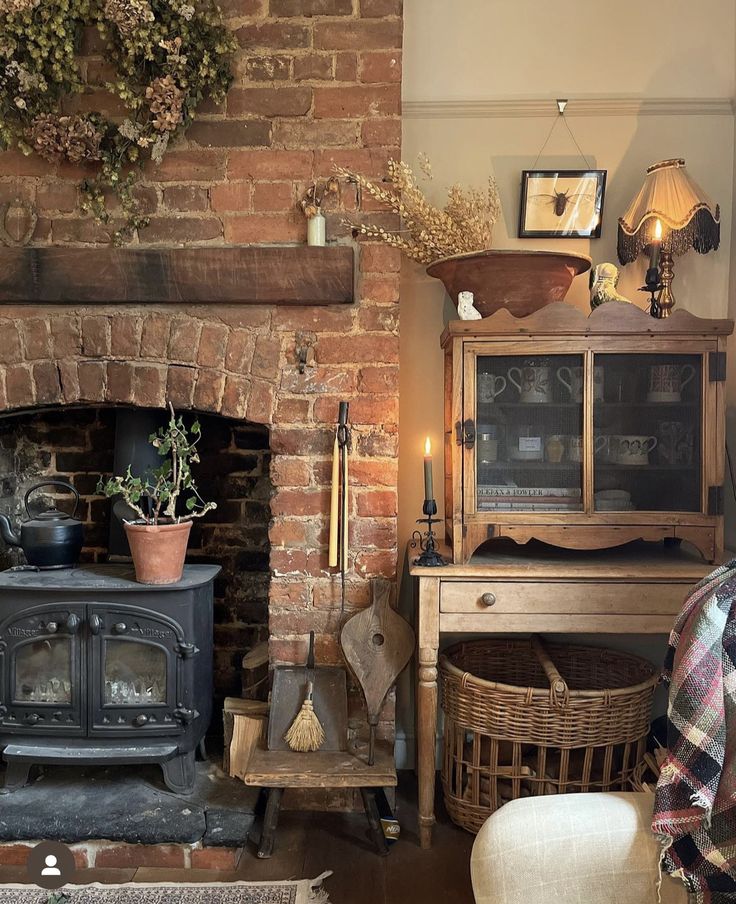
<point>520,281</point>
<point>158,551</point>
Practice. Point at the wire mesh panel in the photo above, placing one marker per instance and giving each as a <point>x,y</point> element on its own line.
<point>529,444</point>
<point>647,425</point>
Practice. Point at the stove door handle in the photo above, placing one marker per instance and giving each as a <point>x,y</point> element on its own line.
<point>72,623</point>
<point>95,624</point>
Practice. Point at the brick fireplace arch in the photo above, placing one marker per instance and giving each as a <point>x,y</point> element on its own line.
<point>242,363</point>
<point>140,359</point>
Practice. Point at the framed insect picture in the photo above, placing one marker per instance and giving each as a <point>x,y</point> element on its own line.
<point>561,204</point>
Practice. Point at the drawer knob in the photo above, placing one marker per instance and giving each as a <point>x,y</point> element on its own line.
<point>488,599</point>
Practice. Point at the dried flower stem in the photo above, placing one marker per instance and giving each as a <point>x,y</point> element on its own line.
<point>464,225</point>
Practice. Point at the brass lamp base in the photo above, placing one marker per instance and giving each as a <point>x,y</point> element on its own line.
<point>665,299</point>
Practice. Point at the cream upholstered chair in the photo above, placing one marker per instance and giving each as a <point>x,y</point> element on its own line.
<point>572,848</point>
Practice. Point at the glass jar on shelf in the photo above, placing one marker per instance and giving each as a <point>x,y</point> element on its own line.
<point>488,441</point>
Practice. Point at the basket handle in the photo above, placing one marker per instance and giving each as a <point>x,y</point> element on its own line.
<point>559,693</point>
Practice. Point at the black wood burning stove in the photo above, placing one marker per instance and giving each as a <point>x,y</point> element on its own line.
<point>97,668</point>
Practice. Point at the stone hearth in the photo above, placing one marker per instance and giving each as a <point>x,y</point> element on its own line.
<point>142,823</point>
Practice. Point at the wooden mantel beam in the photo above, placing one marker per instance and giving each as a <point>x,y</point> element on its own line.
<point>254,274</point>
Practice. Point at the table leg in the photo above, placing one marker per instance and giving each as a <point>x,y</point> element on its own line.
<point>374,819</point>
<point>270,821</point>
<point>427,646</point>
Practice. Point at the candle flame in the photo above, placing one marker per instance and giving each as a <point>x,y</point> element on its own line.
<point>658,231</point>
<point>427,446</point>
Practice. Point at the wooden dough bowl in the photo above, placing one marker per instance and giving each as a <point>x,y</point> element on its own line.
<point>520,281</point>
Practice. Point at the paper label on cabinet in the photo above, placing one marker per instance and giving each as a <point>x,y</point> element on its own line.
<point>530,444</point>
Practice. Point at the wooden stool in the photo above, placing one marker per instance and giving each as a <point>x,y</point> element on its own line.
<point>276,770</point>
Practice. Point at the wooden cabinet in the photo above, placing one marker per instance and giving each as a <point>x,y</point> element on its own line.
<point>585,432</point>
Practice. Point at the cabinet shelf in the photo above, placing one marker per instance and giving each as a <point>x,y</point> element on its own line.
<point>530,406</point>
<point>531,466</point>
<point>556,406</point>
<point>577,466</point>
<point>612,466</point>
<point>644,404</point>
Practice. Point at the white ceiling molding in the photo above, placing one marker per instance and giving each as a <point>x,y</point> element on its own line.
<point>590,106</point>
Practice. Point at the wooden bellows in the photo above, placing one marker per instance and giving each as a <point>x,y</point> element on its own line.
<point>377,644</point>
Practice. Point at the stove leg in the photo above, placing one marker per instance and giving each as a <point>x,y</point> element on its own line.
<point>202,751</point>
<point>16,776</point>
<point>179,773</point>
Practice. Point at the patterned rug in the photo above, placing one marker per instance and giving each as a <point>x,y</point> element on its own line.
<point>301,891</point>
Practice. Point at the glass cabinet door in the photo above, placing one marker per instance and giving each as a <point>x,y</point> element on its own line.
<point>647,420</point>
<point>529,426</point>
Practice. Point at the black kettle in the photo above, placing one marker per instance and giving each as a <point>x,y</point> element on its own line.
<point>52,539</point>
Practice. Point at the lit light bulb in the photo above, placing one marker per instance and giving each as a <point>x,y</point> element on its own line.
<point>658,231</point>
<point>427,446</point>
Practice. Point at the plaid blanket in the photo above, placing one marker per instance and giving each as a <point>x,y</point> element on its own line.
<point>695,801</point>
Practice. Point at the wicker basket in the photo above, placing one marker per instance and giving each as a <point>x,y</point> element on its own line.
<point>525,718</point>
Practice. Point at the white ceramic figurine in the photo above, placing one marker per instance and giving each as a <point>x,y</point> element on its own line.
<point>465,308</point>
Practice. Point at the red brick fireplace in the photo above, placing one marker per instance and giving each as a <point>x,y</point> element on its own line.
<point>321,78</point>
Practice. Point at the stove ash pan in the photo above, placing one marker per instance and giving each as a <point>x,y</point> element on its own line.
<point>95,668</point>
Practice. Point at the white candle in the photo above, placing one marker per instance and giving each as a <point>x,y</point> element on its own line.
<point>316,231</point>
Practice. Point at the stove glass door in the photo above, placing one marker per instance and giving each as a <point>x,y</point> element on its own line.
<point>136,671</point>
<point>41,670</point>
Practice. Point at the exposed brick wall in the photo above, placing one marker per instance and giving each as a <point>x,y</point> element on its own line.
<point>77,445</point>
<point>317,83</point>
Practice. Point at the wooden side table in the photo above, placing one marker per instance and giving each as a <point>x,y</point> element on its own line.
<point>276,770</point>
<point>636,589</point>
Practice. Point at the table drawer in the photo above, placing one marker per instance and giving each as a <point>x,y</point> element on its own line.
<point>561,597</point>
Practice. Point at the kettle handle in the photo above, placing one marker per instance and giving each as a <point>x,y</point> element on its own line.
<point>52,483</point>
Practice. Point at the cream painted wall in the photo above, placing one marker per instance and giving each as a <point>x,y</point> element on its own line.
<point>466,150</point>
<point>567,48</point>
<point>472,49</point>
<point>475,50</point>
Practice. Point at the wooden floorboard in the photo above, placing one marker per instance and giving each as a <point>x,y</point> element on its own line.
<point>308,843</point>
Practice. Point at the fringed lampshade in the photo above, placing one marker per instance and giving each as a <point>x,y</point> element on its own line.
<point>687,217</point>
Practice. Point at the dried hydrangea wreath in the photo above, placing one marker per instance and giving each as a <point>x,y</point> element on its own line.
<point>167,55</point>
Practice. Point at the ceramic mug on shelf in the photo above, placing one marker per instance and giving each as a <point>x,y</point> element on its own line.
<point>634,450</point>
<point>676,441</point>
<point>490,387</point>
<point>554,448</point>
<point>576,381</point>
<point>532,380</point>
<point>666,381</point>
<point>576,447</point>
<point>605,447</point>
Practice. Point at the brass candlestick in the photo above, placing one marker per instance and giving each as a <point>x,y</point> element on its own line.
<point>665,299</point>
